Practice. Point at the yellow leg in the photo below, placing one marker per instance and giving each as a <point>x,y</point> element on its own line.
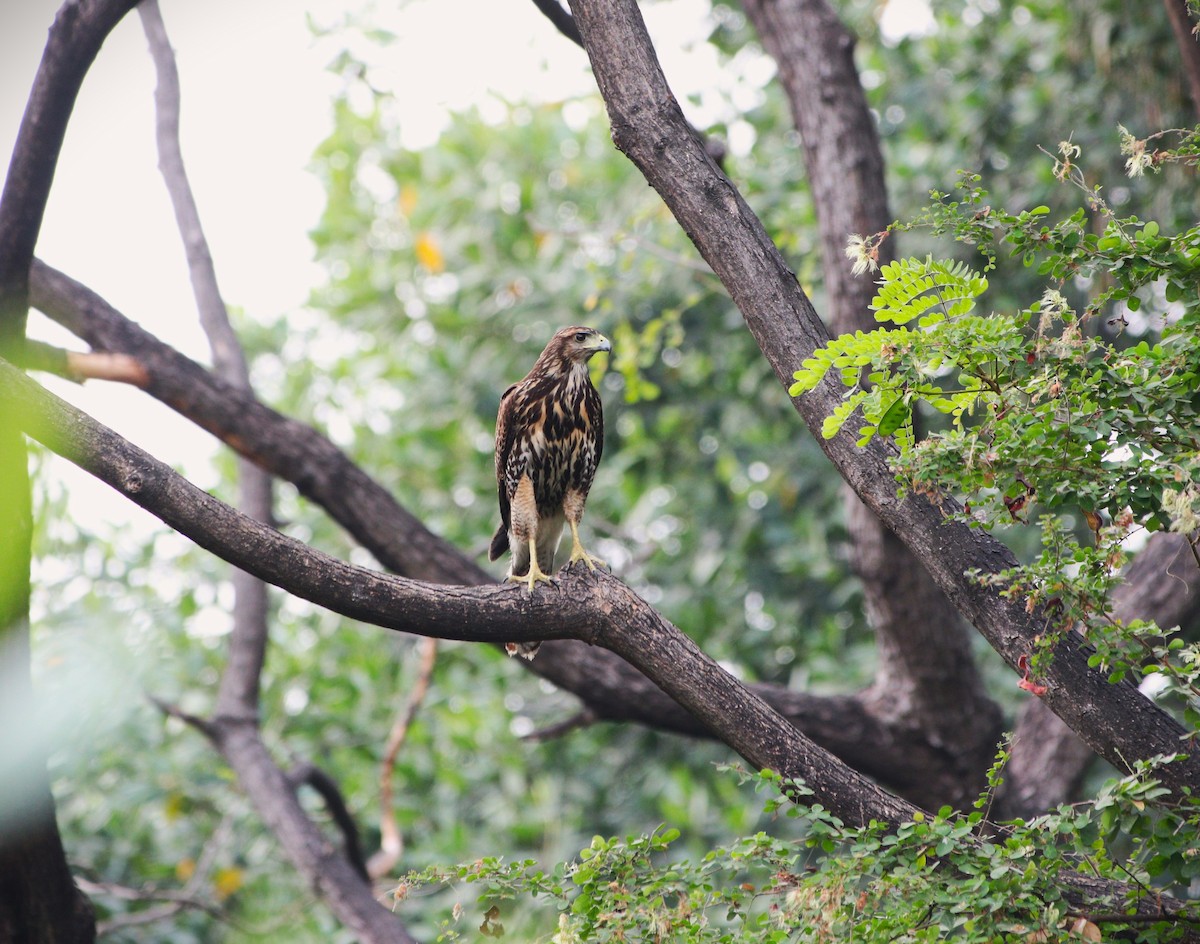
<point>535,572</point>
<point>578,553</point>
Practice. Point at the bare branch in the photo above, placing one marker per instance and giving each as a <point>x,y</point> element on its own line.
<point>79,30</point>
<point>239,689</point>
<point>228,360</point>
<point>581,719</point>
<point>899,756</point>
<point>171,710</point>
<point>649,127</point>
<point>596,608</point>
<point>237,704</point>
<point>391,842</point>
<point>332,876</point>
<point>119,368</point>
<point>557,14</point>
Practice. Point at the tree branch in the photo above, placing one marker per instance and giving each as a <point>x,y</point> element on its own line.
<point>237,704</point>
<point>79,30</point>
<point>561,18</point>
<point>926,679</point>
<point>391,842</point>
<point>648,126</point>
<point>596,608</point>
<point>896,755</point>
<point>309,774</point>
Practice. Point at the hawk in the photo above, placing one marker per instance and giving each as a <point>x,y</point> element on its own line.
<point>549,437</point>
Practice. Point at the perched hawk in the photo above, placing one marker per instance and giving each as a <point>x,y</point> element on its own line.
<point>549,436</point>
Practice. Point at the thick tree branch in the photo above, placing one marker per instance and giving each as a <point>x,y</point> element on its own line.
<point>608,686</point>
<point>648,126</point>
<point>927,680</point>
<point>595,608</point>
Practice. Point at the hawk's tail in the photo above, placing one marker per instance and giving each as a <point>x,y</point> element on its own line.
<point>499,543</point>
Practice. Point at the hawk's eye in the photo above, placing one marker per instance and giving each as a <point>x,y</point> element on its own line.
<point>581,336</point>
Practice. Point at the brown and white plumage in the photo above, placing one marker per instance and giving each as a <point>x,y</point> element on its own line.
<point>549,438</point>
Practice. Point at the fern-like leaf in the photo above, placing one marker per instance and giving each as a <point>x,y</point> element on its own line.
<point>929,290</point>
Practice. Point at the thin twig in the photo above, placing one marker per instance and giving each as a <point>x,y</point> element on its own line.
<point>581,719</point>
<point>391,842</point>
<point>172,710</point>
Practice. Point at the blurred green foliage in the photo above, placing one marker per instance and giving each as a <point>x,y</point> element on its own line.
<point>448,268</point>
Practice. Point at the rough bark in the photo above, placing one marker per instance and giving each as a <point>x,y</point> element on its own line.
<point>648,126</point>
<point>927,684</point>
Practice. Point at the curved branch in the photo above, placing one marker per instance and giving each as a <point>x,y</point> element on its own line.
<point>391,841</point>
<point>648,126</point>
<point>335,804</point>
<point>561,18</point>
<point>901,757</point>
<point>595,608</point>
<point>927,679</point>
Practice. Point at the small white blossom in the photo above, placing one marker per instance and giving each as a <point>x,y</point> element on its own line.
<point>1068,149</point>
<point>567,933</point>
<point>1181,507</point>
<point>1134,150</point>
<point>863,252</point>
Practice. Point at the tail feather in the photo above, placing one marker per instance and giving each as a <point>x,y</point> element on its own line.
<point>499,543</point>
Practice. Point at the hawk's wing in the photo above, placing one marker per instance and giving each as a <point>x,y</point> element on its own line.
<point>506,435</point>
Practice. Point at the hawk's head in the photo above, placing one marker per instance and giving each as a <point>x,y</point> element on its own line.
<point>571,347</point>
